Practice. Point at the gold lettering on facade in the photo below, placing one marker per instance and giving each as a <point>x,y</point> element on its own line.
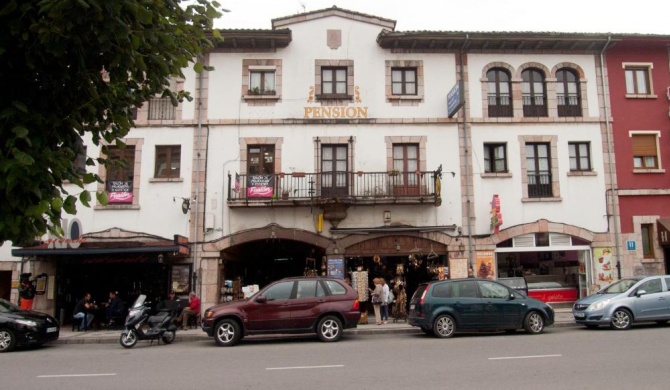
<point>335,112</point>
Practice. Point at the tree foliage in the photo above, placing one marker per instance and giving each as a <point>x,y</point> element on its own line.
<point>76,67</point>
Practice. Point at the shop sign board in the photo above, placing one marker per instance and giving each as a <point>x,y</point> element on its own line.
<point>455,99</point>
<point>458,268</point>
<point>336,267</point>
<point>485,266</point>
<point>603,264</point>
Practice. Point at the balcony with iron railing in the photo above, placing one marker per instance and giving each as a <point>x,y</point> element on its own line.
<point>355,188</point>
<point>539,185</point>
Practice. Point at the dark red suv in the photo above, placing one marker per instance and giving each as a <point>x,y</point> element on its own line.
<point>294,305</point>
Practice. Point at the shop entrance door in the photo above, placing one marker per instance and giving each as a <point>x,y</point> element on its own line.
<point>5,284</point>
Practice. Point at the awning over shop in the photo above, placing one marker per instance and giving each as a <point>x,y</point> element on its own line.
<point>104,244</point>
<point>663,227</point>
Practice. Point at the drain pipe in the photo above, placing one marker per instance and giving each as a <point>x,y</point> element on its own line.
<point>610,158</point>
<point>468,202</point>
<point>196,198</point>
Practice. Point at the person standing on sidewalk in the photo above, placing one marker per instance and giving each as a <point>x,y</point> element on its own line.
<point>26,294</point>
<point>385,301</point>
<point>376,297</point>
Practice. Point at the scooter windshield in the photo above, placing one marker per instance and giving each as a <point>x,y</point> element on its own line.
<point>139,301</point>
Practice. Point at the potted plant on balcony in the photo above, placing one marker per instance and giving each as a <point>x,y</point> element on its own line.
<point>394,172</point>
<point>254,91</point>
<point>285,193</point>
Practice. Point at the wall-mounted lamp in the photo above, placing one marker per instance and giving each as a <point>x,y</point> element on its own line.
<point>397,246</point>
<point>160,258</point>
<point>336,250</point>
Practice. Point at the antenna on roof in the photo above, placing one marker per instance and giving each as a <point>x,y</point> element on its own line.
<point>304,8</point>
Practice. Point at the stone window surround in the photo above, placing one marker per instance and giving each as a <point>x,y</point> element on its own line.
<point>246,141</point>
<point>550,83</point>
<point>638,221</point>
<point>102,172</point>
<point>657,133</point>
<point>404,100</point>
<point>421,140</point>
<point>318,65</point>
<point>553,150</point>
<point>176,85</point>
<point>649,66</point>
<point>261,64</point>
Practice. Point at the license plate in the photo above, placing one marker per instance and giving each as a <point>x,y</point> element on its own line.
<point>411,307</point>
<point>579,315</point>
<point>52,329</point>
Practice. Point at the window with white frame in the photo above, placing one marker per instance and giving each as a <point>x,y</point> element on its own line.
<point>645,150</point>
<point>638,79</point>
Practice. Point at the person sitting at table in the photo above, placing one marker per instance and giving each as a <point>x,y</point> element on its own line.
<point>81,311</point>
<point>192,310</point>
<point>115,308</point>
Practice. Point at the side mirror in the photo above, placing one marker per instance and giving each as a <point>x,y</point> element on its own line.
<point>511,296</point>
<point>640,292</point>
<point>261,299</point>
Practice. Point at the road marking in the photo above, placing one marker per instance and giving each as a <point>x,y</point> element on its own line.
<point>73,375</point>
<point>525,357</point>
<point>304,367</point>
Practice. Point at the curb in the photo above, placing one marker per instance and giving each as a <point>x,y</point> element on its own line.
<point>361,330</point>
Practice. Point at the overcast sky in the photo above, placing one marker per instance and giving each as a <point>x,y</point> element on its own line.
<point>588,16</point>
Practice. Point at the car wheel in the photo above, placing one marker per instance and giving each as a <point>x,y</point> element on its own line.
<point>329,329</point>
<point>128,339</point>
<point>169,336</point>
<point>227,333</point>
<point>7,340</point>
<point>444,326</point>
<point>533,323</point>
<point>621,319</point>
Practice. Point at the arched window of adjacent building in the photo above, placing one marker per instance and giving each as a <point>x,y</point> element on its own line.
<point>533,93</point>
<point>499,93</point>
<point>568,98</point>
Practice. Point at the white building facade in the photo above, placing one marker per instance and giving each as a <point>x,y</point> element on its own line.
<point>326,144</point>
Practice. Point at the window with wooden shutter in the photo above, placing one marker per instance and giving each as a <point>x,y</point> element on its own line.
<point>645,152</point>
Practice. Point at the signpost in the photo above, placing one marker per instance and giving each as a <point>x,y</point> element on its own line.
<point>455,99</point>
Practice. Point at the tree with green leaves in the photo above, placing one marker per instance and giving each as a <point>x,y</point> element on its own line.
<point>76,67</point>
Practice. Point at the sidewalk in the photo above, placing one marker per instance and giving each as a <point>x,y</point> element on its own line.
<point>563,319</point>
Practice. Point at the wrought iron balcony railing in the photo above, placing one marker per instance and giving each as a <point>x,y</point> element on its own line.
<point>301,189</point>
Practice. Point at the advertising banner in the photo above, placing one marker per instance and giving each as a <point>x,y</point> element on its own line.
<point>336,267</point>
<point>603,264</point>
<point>485,266</point>
<point>119,191</point>
<point>260,186</point>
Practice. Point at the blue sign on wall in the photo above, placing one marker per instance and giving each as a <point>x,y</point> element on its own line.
<point>630,245</point>
<point>455,99</point>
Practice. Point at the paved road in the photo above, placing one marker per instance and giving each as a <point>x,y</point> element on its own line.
<point>561,358</point>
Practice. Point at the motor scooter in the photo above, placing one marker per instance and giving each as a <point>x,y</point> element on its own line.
<point>161,326</point>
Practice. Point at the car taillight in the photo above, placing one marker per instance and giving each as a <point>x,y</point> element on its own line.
<point>356,306</point>
<point>423,295</point>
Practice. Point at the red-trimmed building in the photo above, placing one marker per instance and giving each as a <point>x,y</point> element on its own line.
<point>639,87</point>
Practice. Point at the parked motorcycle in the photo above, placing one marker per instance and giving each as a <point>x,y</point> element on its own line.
<point>161,326</point>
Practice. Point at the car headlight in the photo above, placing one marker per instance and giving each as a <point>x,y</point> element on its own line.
<point>599,305</point>
<point>209,314</point>
<point>26,322</point>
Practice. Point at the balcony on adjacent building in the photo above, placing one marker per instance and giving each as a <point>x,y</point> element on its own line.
<point>355,188</point>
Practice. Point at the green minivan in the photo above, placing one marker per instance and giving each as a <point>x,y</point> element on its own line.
<point>445,307</point>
